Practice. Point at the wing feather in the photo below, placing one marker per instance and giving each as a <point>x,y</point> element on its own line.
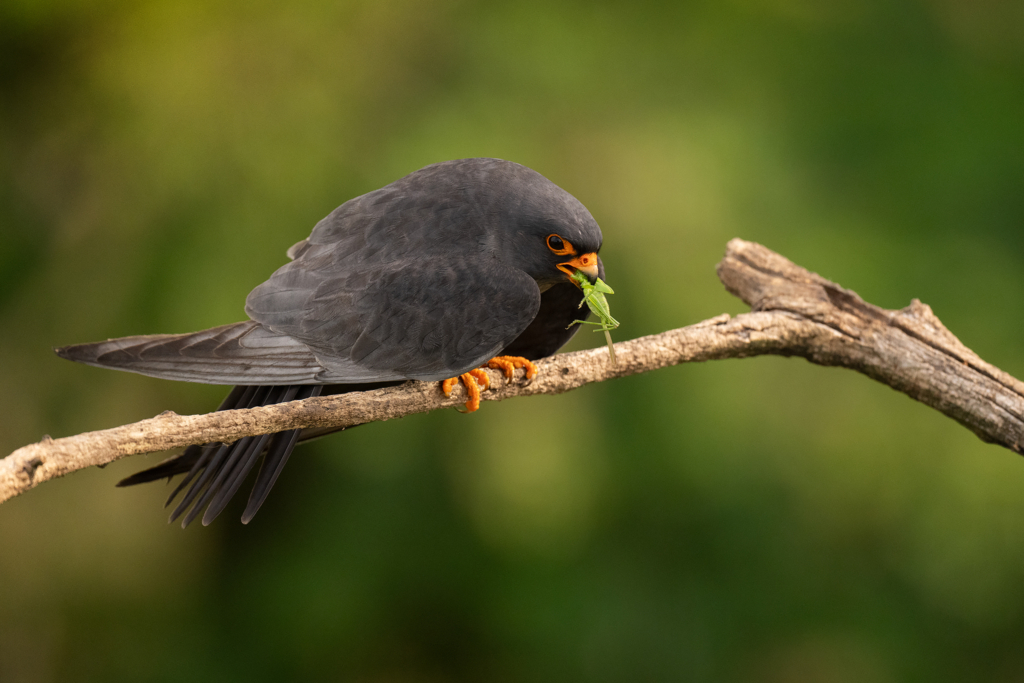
<point>424,319</point>
<point>241,353</point>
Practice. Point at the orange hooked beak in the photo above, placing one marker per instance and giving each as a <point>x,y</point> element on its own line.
<point>586,264</point>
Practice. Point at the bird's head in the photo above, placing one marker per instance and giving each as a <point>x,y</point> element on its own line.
<point>555,235</point>
<point>560,245</point>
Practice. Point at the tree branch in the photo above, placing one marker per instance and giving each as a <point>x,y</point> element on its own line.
<point>795,313</point>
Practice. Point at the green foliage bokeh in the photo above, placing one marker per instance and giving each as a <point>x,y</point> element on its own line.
<point>760,520</point>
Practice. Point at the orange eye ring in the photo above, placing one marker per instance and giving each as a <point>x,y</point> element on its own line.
<point>560,246</point>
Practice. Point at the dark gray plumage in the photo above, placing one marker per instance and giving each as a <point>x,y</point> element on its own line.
<point>423,279</point>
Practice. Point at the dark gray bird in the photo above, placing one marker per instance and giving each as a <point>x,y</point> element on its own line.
<point>427,278</point>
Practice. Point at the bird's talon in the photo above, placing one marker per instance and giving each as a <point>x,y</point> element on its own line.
<point>508,365</point>
<point>475,381</point>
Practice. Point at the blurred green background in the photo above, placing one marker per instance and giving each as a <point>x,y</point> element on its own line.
<point>761,520</point>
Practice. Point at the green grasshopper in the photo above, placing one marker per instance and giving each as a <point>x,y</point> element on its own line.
<point>593,297</point>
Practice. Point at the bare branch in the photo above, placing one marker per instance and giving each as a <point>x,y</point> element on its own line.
<point>795,313</point>
<point>910,349</point>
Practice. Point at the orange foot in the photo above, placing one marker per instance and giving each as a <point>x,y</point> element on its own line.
<point>475,381</point>
<point>478,380</point>
<point>508,365</point>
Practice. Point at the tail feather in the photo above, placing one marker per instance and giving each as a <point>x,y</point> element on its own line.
<point>244,465</point>
<point>227,483</point>
<point>200,463</point>
<point>214,472</point>
<point>176,464</point>
<point>220,466</point>
<point>209,469</point>
<point>234,454</point>
<point>278,452</point>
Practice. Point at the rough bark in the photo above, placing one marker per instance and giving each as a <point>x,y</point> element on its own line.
<point>795,313</point>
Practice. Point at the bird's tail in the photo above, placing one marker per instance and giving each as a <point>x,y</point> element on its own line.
<point>214,472</point>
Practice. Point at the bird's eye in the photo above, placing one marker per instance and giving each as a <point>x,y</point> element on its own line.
<point>560,246</point>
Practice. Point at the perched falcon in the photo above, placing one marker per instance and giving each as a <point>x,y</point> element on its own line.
<point>456,266</point>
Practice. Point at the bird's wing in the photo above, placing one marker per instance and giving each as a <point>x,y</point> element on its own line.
<point>425,318</point>
<point>241,353</point>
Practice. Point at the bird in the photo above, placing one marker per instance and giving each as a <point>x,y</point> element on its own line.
<point>456,266</point>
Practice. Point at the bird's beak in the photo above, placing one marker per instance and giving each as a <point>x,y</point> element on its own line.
<point>586,264</point>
